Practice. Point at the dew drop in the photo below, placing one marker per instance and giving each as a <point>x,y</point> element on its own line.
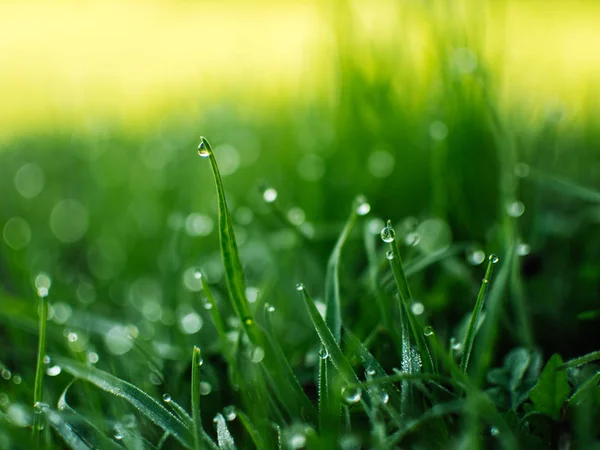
<point>417,308</point>
<point>494,431</point>
<point>270,195</point>
<point>388,234</point>
<point>270,308</point>
<point>385,397</point>
<point>493,258</point>
<point>53,371</point>
<point>205,388</point>
<point>17,379</point>
<point>299,287</point>
<point>351,394</point>
<point>428,331</point>
<point>371,371</point>
<point>92,357</point>
<point>258,354</point>
<point>297,440</point>
<point>6,374</point>
<point>515,209</point>
<point>118,436</point>
<point>197,274</point>
<point>200,362</point>
<point>523,249</point>
<point>46,359</point>
<point>72,337</point>
<point>363,207</point>
<point>167,398</point>
<point>475,257</point>
<point>323,353</point>
<point>389,255</point>
<point>207,305</point>
<point>456,345</point>
<point>203,149</point>
<point>229,413</point>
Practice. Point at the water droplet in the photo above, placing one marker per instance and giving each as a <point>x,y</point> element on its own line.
<point>205,388</point>
<point>269,195</point>
<point>417,308</point>
<point>494,431</point>
<point>207,305</point>
<point>296,216</point>
<point>351,394</point>
<point>385,397</point>
<point>203,150</point>
<point>389,255</point>
<point>197,274</point>
<point>252,294</point>
<point>42,292</point>
<point>72,337</point>
<point>200,362</point>
<point>299,287</point>
<point>92,357</point>
<point>515,209</point>
<point>6,374</point>
<point>118,436</point>
<point>17,379</point>
<point>521,170</point>
<point>167,398</point>
<point>53,371</point>
<point>46,359</point>
<point>270,308</point>
<point>493,258</point>
<point>428,331</point>
<point>191,322</point>
<point>475,257</point>
<point>456,345</point>
<point>362,206</point>
<point>258,355</point>
<point>229,413</point>
<point>523,249</point>
<point>323,353</point>
<point>387,233</point>
<point>297,440</point>
<point>371,371</point>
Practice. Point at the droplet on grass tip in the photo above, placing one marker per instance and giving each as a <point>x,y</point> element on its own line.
<point>351,394</point>
<point>269,195</point>
<point>299,287</point>
<point>389,255</point>
<point>387,233</point>
<point>167,398</point>
<point>428,331</point>
<point>203,150</point>
<point>493,258</point>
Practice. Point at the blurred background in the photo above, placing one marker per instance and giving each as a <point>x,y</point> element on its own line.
<point>472,125</point>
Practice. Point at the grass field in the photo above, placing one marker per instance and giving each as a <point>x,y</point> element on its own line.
<point>388,237</point>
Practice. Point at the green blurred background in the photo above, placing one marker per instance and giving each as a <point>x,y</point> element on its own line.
<point>473,124</point>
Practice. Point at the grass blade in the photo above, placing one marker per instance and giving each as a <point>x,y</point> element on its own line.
<point>251,430</point>
<point>388,235</point>
<point>62,428</point>
<point>196,363</point>
<point>585,359</point>
<point>472,330</point>
<point>39,370</point>
<point>145,404</point>
<point>224,437</point>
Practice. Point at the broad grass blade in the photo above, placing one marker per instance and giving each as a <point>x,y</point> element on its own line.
<point>62,428</point>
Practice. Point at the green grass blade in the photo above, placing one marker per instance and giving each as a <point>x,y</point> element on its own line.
<point>224,437</point>
<point>196,363</point>
<point>568,187</point>
<point>39,370</point>
<point>388,235</point>
<point>251,430</point>
<point>328,340</point>
<point>180,412</point>
<point>217,319</point>
<point>585,359</point>
<point>62,428</point>
<point>333,315</point>
<point>145,404</point>
<point>472,329</point>
<point>584,390</point>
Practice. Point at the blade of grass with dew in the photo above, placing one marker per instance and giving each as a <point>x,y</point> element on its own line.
<point>145,404</point>
<point>38,389</point>
<point>217,319</point>
<point>224,437</point>
<point>580,361</point>
<point>286,384</point>
<point>197,421</point>
<point>472,329</point>
<point>388,236</point>
<point>259,444</point>
<point>96,438</point>
<point>62,428</point>
<point>179,411</point>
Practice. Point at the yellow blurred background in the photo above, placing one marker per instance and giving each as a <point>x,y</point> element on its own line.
<point>66,63</point>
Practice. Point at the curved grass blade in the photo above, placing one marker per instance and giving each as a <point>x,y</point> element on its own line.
<point>224,437</point>
<point>472,330</point>
<point>286,384</point>
<point>95,439</point>
<point>39,370</point>
<point>328,340</point>
<point>180,412</point>
<point>585,359</point>
<point>145,404</point>
<point>218,320</point>
<point>251,430</point>
<point>62,428</point>
<point>388,236</point>
<point>584,389</point>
